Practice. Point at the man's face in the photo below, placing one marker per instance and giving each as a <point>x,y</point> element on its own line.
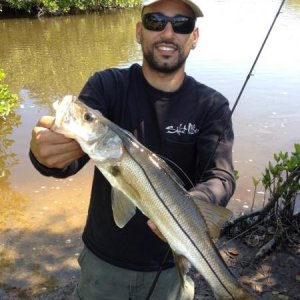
<point>166,51</point>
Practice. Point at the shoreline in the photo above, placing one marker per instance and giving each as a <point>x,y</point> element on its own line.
<point>273,277</point>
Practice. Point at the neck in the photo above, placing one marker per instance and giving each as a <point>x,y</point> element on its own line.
<point>167,82</point>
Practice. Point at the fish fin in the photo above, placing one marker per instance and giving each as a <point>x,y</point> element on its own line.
<point>123,209</point>
<point>183,266</point>
<point>214,215</point>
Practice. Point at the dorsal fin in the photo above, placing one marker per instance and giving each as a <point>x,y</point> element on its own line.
<point>214,215</point>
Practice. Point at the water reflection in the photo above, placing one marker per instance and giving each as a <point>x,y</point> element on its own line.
<point>294,4</point>
<point>8,159</point>
<point>55,56</point>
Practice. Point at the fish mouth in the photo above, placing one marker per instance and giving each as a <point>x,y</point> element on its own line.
<point>62,107</point>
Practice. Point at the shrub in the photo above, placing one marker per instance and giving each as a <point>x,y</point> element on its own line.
<point>7,100</point>
<point>54,7</point>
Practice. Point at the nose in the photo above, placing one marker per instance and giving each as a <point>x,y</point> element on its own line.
<point>168,30</point>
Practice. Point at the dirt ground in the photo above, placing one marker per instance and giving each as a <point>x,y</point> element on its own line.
<point>276,276</point>
<point>273,277</point>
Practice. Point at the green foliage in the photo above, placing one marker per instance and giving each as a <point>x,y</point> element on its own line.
<point>236,174</point>
<point>8,120</point>
<point>281,179</point>
<point>276,175</point>
<point>7,100</point>
<point>65,6</point>
<point>278,221</point>
<point>255,181</point>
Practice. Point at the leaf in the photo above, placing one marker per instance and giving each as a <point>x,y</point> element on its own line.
<point>293,163</point>
<point>2,74</point>
<point>255,181</point>
<point>266,180</point>
<point>283,156</point>
<point>283,297</point>
<point>297,277</point>
<point>271,168</point>
<point>236,174</point>
<point>275,292</point>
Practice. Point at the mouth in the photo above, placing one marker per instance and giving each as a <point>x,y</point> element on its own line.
<point>166,48</point>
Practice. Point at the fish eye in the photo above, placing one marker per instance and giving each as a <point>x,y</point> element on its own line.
<point>89,117</point>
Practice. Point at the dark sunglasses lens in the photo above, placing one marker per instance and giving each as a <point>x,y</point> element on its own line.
<point>157,22</point>
<point>154,22</point>
<point>183,25</point>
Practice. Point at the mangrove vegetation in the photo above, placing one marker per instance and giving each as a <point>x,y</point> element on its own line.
<point>60,7</point>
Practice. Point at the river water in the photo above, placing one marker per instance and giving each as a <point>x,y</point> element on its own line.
<point>44,59</point>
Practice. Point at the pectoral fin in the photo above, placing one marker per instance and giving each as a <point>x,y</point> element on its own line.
<point>123,209</point>
<point>214,215</point>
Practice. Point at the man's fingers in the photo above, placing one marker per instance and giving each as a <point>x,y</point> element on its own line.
<point>46,122</point>
<point>62,160</point>
<point>43,134</point>
<point>70,148</point>
<point>53,149</point>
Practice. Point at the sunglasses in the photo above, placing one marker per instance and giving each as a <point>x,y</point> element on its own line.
<point>158,22</point>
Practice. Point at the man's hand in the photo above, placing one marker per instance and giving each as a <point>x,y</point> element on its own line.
<point>52,149</point>
<point>155,229</point>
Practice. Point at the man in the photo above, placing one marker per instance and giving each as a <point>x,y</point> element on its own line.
<point>171,114</point>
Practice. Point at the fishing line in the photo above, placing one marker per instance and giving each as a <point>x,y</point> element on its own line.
<point>178,168</point>
<point>227,124</point>
<point>158,274</point>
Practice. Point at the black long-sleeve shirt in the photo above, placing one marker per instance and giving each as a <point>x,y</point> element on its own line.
<point>182,126</point>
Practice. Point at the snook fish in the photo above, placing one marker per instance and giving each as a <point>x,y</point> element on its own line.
<point>141,179</point>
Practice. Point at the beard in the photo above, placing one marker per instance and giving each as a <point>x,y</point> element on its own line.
<point>164,66</point>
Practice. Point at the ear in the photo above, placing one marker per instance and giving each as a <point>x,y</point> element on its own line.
<point>138,32</point>
<point>195,37</point>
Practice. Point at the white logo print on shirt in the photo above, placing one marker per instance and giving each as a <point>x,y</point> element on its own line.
<point>182,129</point>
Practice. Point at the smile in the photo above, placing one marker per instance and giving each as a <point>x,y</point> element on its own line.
<point>166,47</point>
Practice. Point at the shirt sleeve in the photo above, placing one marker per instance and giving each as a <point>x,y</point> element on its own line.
<point>215,173</point>
<point>72,169</point>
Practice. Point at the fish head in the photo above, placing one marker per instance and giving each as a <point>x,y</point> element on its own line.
<point>88,127</point>
<point>76,120</point>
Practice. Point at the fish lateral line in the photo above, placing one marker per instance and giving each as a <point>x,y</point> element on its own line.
<point>184,231</point>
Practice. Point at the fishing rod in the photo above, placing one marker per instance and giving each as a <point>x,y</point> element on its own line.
<point>241,91</point>
<point>227,124</point>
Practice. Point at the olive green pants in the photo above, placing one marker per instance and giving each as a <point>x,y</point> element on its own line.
<point>102,281</point>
